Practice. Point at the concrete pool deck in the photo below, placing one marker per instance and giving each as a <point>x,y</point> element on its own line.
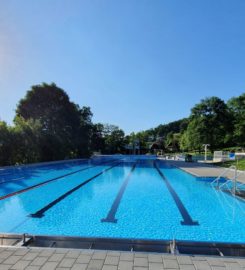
<point>204,170</point>
<point>81,259</point>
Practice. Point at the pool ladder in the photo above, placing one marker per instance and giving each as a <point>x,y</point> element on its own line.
<point>173,248</point>
<point>24,241</point>
<point>231,183</point>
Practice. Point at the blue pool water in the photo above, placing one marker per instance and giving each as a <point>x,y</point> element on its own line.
<point>129,198</point>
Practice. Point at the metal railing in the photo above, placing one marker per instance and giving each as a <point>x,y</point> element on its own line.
<point>240,185</point>
<point>223,174</point>
<point>230,184</point>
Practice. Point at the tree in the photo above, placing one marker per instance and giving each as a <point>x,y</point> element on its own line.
<point>237,108</point>
<point>174,127</point>
<point>85,132</point>
<point>210,123</point>
<point>25,136</point>
<point>64,126</point>
<point>114,139</point>
<point>107,139</point>
<point>48,126</point>
<point>6,145</point>
<point>143,138</point>
<point>173,141</point>
<point>98,139</point>
<point>194,136</point>
<point>184,141</point>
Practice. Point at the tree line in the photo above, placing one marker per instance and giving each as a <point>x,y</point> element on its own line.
<point>49,126</point>
<point>212,121</point>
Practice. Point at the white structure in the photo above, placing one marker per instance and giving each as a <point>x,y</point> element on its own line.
<point>205,149</point>
<point>220,156</point>
<point>241,154</point>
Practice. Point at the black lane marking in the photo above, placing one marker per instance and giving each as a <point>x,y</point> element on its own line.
<point>40,213</point>
<point>187,220</point>
<point>112,213</point>
<point>50,180</point>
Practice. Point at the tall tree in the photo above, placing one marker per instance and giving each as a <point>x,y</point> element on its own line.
<point>237,108</point>
<point>114,139</point>
<point>210,123</point>
<point>25,136</point>
<point>62,121</point>
<point>173,141</point>
<point>98,139</point>
<point>85,132</point>
<point>6,144</point>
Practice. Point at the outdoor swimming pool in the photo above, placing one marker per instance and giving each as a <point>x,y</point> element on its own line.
<point>121,197</point>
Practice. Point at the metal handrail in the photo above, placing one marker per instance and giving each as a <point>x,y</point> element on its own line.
<point>233,180</point>
<point>240,184</point>
<point>222,174</point>
<point>226,182</point>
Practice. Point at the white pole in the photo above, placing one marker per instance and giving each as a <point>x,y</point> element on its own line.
<point>235,180</point>
<point>205,149</point>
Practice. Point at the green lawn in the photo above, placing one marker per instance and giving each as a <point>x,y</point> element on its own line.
<point>239,163</point>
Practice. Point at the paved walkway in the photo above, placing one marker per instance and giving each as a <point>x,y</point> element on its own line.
<point>75,259</point>
<point>204,170</point>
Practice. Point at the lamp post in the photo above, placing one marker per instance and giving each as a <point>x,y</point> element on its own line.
<point>206,149</point>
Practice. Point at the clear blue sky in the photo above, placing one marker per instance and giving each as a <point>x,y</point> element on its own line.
<point>136,63</point>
